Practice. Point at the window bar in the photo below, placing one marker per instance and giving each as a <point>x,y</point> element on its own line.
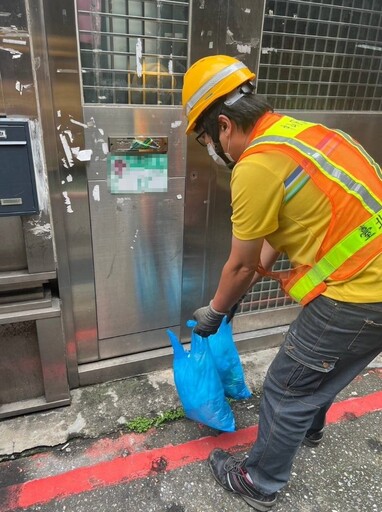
<point>291,84</point>
<point>159,77</point>
<point>128,56</point>
<point>377,99</point>
<point>96,37</point>
<point>363,86</point>
<point>331,103</point>
<point>144,75</point>
<point>111,47</point>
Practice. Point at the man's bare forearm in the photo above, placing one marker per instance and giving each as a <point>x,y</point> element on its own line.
<point>233,285</point>
<point>237,273</point>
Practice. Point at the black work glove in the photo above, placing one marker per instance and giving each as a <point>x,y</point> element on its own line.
<point>234,308</point>
<point>208,320</point>
<point>232,311</point>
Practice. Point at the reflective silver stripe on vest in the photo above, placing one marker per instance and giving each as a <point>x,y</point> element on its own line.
<point>346,181</point>
<point>364,153</point>
<point>229,70</point>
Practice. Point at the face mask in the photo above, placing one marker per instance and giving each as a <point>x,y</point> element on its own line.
<point>218,159</point>
<point>215,157</point>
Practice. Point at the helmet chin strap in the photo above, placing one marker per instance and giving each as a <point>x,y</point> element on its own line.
<point>229,161</point>
<point>224,156</point>
<point>212,128</point>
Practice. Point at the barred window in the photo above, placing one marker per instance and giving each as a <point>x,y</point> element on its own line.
<point>133,51</point>
<point>322,54</point>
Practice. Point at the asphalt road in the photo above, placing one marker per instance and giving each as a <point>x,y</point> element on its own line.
<point>165,469</point>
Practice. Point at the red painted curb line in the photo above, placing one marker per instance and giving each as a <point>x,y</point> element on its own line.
<point>167,458</point>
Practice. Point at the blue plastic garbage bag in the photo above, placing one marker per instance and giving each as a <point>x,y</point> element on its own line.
<point>227,361</point>
<point>198,384</point>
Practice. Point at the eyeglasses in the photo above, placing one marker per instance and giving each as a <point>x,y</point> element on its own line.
<point>201,138</point>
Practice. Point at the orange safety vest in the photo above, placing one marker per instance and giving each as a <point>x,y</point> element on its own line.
<point>352,181</point>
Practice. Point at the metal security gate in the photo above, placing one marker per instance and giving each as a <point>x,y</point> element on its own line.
<point>134,55</point>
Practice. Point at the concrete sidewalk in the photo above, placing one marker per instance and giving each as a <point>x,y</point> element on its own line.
<point>87,443</point>
<point>103,409</point>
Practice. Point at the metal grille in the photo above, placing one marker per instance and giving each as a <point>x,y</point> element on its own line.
<point>133,51</point>
<point>322,54</point>
<point>267,293</point>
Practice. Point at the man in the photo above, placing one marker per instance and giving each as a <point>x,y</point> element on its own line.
<point>316,194</point>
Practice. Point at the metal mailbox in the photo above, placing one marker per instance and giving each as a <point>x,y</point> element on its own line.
<point>18,193</point>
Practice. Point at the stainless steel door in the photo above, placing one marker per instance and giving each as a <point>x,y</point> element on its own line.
<point>134,55</point>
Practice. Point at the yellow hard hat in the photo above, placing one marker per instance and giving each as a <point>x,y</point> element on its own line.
<point>209,79</point>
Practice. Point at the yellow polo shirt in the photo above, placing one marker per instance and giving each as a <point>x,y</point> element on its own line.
<point>296,227</point>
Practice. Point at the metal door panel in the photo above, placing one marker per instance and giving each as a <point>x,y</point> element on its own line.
<point>133,57</point>
<point>133,346</point>
<point>137,241</point>
<point>137,238</point>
